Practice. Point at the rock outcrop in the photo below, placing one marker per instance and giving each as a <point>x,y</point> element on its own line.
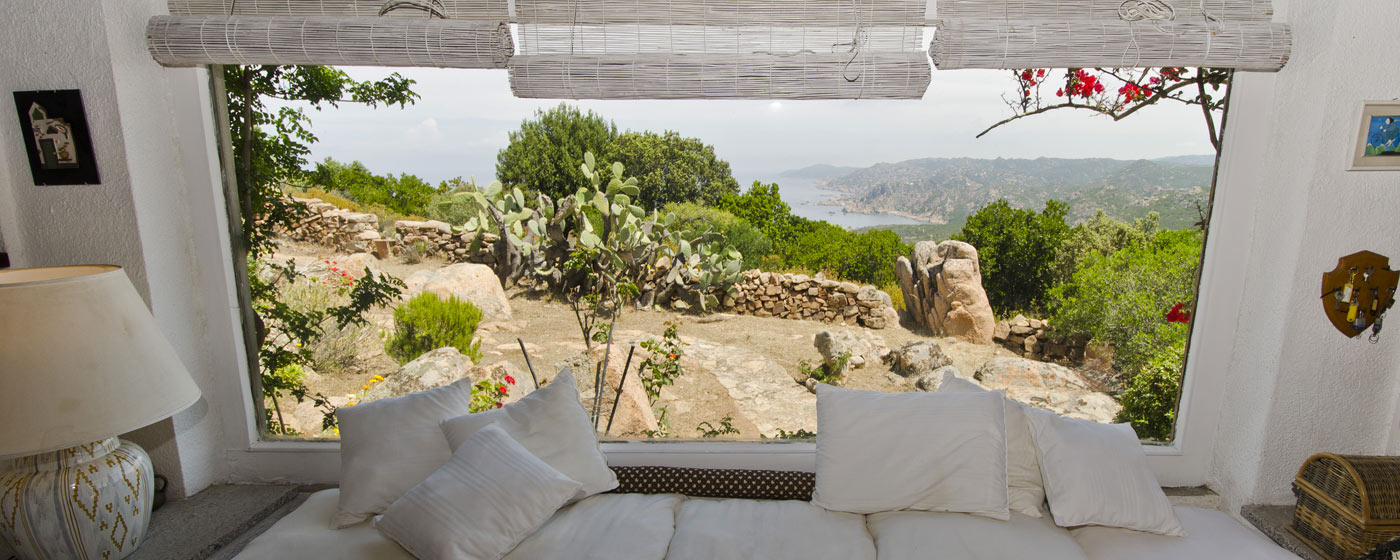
<point>634,417</point>
<point>918,358</point>
<point>1034,339</point>
<point>942,287</point>
<point>476,283</point>
<point>1048,386</point>
<point>932,381</point>
<point>437,368</point>
<point>863,349</point>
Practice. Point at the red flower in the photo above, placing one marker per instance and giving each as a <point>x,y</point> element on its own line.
<point>1040,73</point>
<point>510,380</point>
<point>500,404</point>
<point>1060,92</point>
<point>1176,315</point>
<point>502,389</point>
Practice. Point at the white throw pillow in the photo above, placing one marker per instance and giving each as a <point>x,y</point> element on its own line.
<point>1097,474</point>
<point>1026,492</point>
<point>389,445</point>
<point>552,425</point>
<point>922,451</point>
<point>489,496</point>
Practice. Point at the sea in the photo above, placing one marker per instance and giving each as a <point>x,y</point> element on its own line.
<point>806,200</point>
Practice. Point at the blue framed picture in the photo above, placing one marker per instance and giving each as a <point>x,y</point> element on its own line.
<point>1378,144</point>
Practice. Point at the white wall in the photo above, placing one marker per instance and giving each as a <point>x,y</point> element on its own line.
<point>1295,385</point>
<point>155,213</point>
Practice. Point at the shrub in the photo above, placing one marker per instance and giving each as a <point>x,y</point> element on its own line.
<point>896,295</point>
<point>1149,403</point>
<point>428,322</point>
<point>1017,250</point>
<point>693,219</point>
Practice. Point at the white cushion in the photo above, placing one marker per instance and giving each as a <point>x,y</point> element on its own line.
<point>489,496</point>
<point>605,527</point>
<point>922,451</point>
<point>771,530</point>
<point>389,445</point>
<point>912,535</point>
<point>304,534</point>
<point>552,425</point>
<point>1209,534</point>
<point>1026,492</point>
<point>1097,474</point>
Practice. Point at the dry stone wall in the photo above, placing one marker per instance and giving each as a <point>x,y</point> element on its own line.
<point>440,240</point>
<point>1034,339</point>
<point>352,232</point>
<point>798,296</point>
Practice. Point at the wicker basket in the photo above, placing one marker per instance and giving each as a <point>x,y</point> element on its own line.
<point>1347,504</point>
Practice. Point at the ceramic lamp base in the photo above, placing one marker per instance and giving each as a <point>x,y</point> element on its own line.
<point>89,502</point>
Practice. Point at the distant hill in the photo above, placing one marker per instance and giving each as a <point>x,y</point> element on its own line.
<point>947,190</point>
<point>818,172</point>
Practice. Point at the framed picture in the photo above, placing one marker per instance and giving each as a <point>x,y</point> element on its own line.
<point>1378,143</point>
<point>56,137</point>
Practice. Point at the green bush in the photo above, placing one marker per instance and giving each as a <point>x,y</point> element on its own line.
<point>1104,235</point>
<point>1017,249</point>
<point>1123,298</point>
<point>427,322</point>
<point>1149,403</point>
<point>693,219</point>
<point>401,195</point>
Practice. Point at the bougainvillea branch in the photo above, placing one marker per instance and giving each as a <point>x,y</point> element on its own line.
<point>1118,93</point>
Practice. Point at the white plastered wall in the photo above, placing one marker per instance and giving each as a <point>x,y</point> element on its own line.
<point>1295,386</point>
<point>155,212</point>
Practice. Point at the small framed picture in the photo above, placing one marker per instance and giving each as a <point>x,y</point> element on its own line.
<point>1378,143</point>
<point>55,131</point>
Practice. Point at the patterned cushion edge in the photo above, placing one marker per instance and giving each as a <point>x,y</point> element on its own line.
<point>716,483</point>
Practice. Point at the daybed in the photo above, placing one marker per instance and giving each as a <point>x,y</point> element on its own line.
<point>961,474</point>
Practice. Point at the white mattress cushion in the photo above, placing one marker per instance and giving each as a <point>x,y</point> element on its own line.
<point>1097,474</point>
<point>1025,490</point>
<point>913,535</point>
<point>605,527</point>
<point>922,451</point>
<point>489,496</point>
<point>1210,534</point>
<point>305,533</point>
<point>389,445</point>
<point>709,529</point>
<point>551,424</point>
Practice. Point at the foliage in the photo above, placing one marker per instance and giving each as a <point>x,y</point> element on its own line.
<point>270,148</point>
<point>670,168</point>
<point>404,194</point>
<point>896,295</point>
<point>694,220</point>
<point>1103,235</point>
<point>1017,250</point>
<point>826,373</point>
<point>799,434</point>
<point>545,154</point>
<point>663,424</point>
<point>763,208</point>
<point>1149,403</point>
<point>866,257</point>
<point>663,364</point>
<point>489,394</point>
<point>1119,92</point>
<point>446,207</point>
<point>428,322</point>
<point>1123,298</point>
<point>726,427</point>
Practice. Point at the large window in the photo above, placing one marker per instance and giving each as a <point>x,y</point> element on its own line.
<point>764,246</point>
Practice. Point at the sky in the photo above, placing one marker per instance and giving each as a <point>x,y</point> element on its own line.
<point>463,118</point>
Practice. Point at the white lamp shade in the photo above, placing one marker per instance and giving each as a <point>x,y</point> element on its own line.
<point>81,359</point>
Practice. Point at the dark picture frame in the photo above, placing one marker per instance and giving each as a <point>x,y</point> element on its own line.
<point>56,138</point>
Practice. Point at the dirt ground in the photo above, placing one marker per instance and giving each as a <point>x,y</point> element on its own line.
<point>551,334</point>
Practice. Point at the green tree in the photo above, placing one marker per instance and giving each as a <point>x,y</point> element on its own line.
<point>270,149</point>
<point>866,257</point>
<point>671,168</point>
<point>1017,248</point>
<point>693,219</point>
<point>545,154</point>
<point>404,194</point>
<point>1123,298</point>
<point>1104,235</point>
<point>763,208</point>
<point>1149,403</point>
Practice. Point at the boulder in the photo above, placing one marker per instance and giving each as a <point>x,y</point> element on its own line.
<point>932,381</point>
<point>1048,386</point>
<point>881,317</point>
<point>433,369</point>
<point>864,348</point>
<point>307,419</point>
<point>942,286</point>
<point>918,358</point>
<point>357,263</point>
<point>634,415</point>
<point>476,283</point>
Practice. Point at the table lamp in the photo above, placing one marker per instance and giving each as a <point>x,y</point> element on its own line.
<point>81,362</point>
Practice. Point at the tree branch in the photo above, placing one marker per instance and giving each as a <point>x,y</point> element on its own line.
<point>1210,120</point>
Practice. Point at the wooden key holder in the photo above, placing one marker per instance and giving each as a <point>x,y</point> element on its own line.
<point>1356,294</point>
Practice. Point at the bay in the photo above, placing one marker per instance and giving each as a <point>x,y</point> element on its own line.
<point>807,200</point>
